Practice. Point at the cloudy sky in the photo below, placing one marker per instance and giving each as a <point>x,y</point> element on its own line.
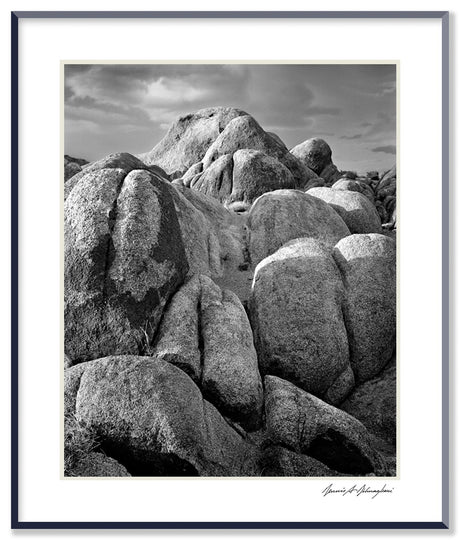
<point>113,108</point>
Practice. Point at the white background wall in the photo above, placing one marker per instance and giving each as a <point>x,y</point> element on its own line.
<point>5,216</point>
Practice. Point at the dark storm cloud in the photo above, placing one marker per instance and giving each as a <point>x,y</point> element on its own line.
<point>128,107</point>
<point>390,149</point>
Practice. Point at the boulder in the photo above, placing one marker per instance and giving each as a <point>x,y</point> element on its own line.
<point>354,208</point>
<point>245,133</point>
<point>123,161</point>
<point>200,238</point>
<point>205,332</point>
<point>279,461</point>
<point>316,154</point>
<point>385,192</point>
<point>355,185</point>
<point>374,404</point>
<point>283,215</point>
<point>277,138</point>
<point>296,316</point>
<point>217,180</point>
<point>243,177</point>
<point>368,266</point>
<point>151,417</point>
<point>302,423</point>
<point>71,169</point>
<point>189,137</point>
<point>96,464</point>
<point>223,224</point>
<point>79,161</point>
<point>123,259</point>
<point>194,170</point>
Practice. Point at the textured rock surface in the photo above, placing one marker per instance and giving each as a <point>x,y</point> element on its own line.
<point>304,424</point>
<point>206,332</point>
<point>152,418</point>
<point>123,161</point>
<point>245,133</point>
<point>355,185</point>
<point>368,266</point>
<point>189,137</point>
<point>374,404</point>
<point>385,191</point>
<point>296,315</point>
<point>354,208</point>
<point>225,224</point>
<point>280,216</point>
<point>200,238</point>
<point>279,461</point>
<point>96,464</point>
<point>71,169</point>
<point>123,259</point>
<point>243,177</point>
<point>316,154</point>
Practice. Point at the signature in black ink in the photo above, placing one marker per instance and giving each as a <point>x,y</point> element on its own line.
<point>356,490</point>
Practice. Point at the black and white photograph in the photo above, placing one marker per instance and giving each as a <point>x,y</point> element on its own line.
<point>230,284</point>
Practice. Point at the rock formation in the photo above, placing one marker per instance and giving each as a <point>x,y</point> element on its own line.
<point>316,154</point>
<point>229,309</point>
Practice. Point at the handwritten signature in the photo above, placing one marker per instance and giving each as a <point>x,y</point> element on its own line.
<point>356,490</point>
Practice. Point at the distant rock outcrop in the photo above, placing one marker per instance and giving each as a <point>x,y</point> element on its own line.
<point>385,194</point>
<point>72,166</point>
<point>188,139</point>
<point>242,177</point>
<point>245,133</point>
<point>316,154</point>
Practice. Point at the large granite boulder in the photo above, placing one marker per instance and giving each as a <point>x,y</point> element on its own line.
<point>354,208</point>
<point>355,185</point>
<point>374,404</point>
<point>151,417</point>
<point>302,423</point>
<point>316,154</point>
<point>72,166</point>
<point>245,133</point>
<point>368,266</point>
<point>123,259</point>
<point>189,137</point>
<point>205,332</point>
<point>283,215</point>
<point>199,236</point>
<point>71,169</point>
<point>243,177</point>
<point>122,160</point>
<point>296,316</point>
<point>224,223</point>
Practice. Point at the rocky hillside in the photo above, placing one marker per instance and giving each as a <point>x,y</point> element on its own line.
<point>230,309</point>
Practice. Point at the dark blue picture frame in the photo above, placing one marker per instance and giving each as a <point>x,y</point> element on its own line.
<point>444,16</point>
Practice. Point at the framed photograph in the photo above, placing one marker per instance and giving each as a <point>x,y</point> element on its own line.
<point>230,304</point>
